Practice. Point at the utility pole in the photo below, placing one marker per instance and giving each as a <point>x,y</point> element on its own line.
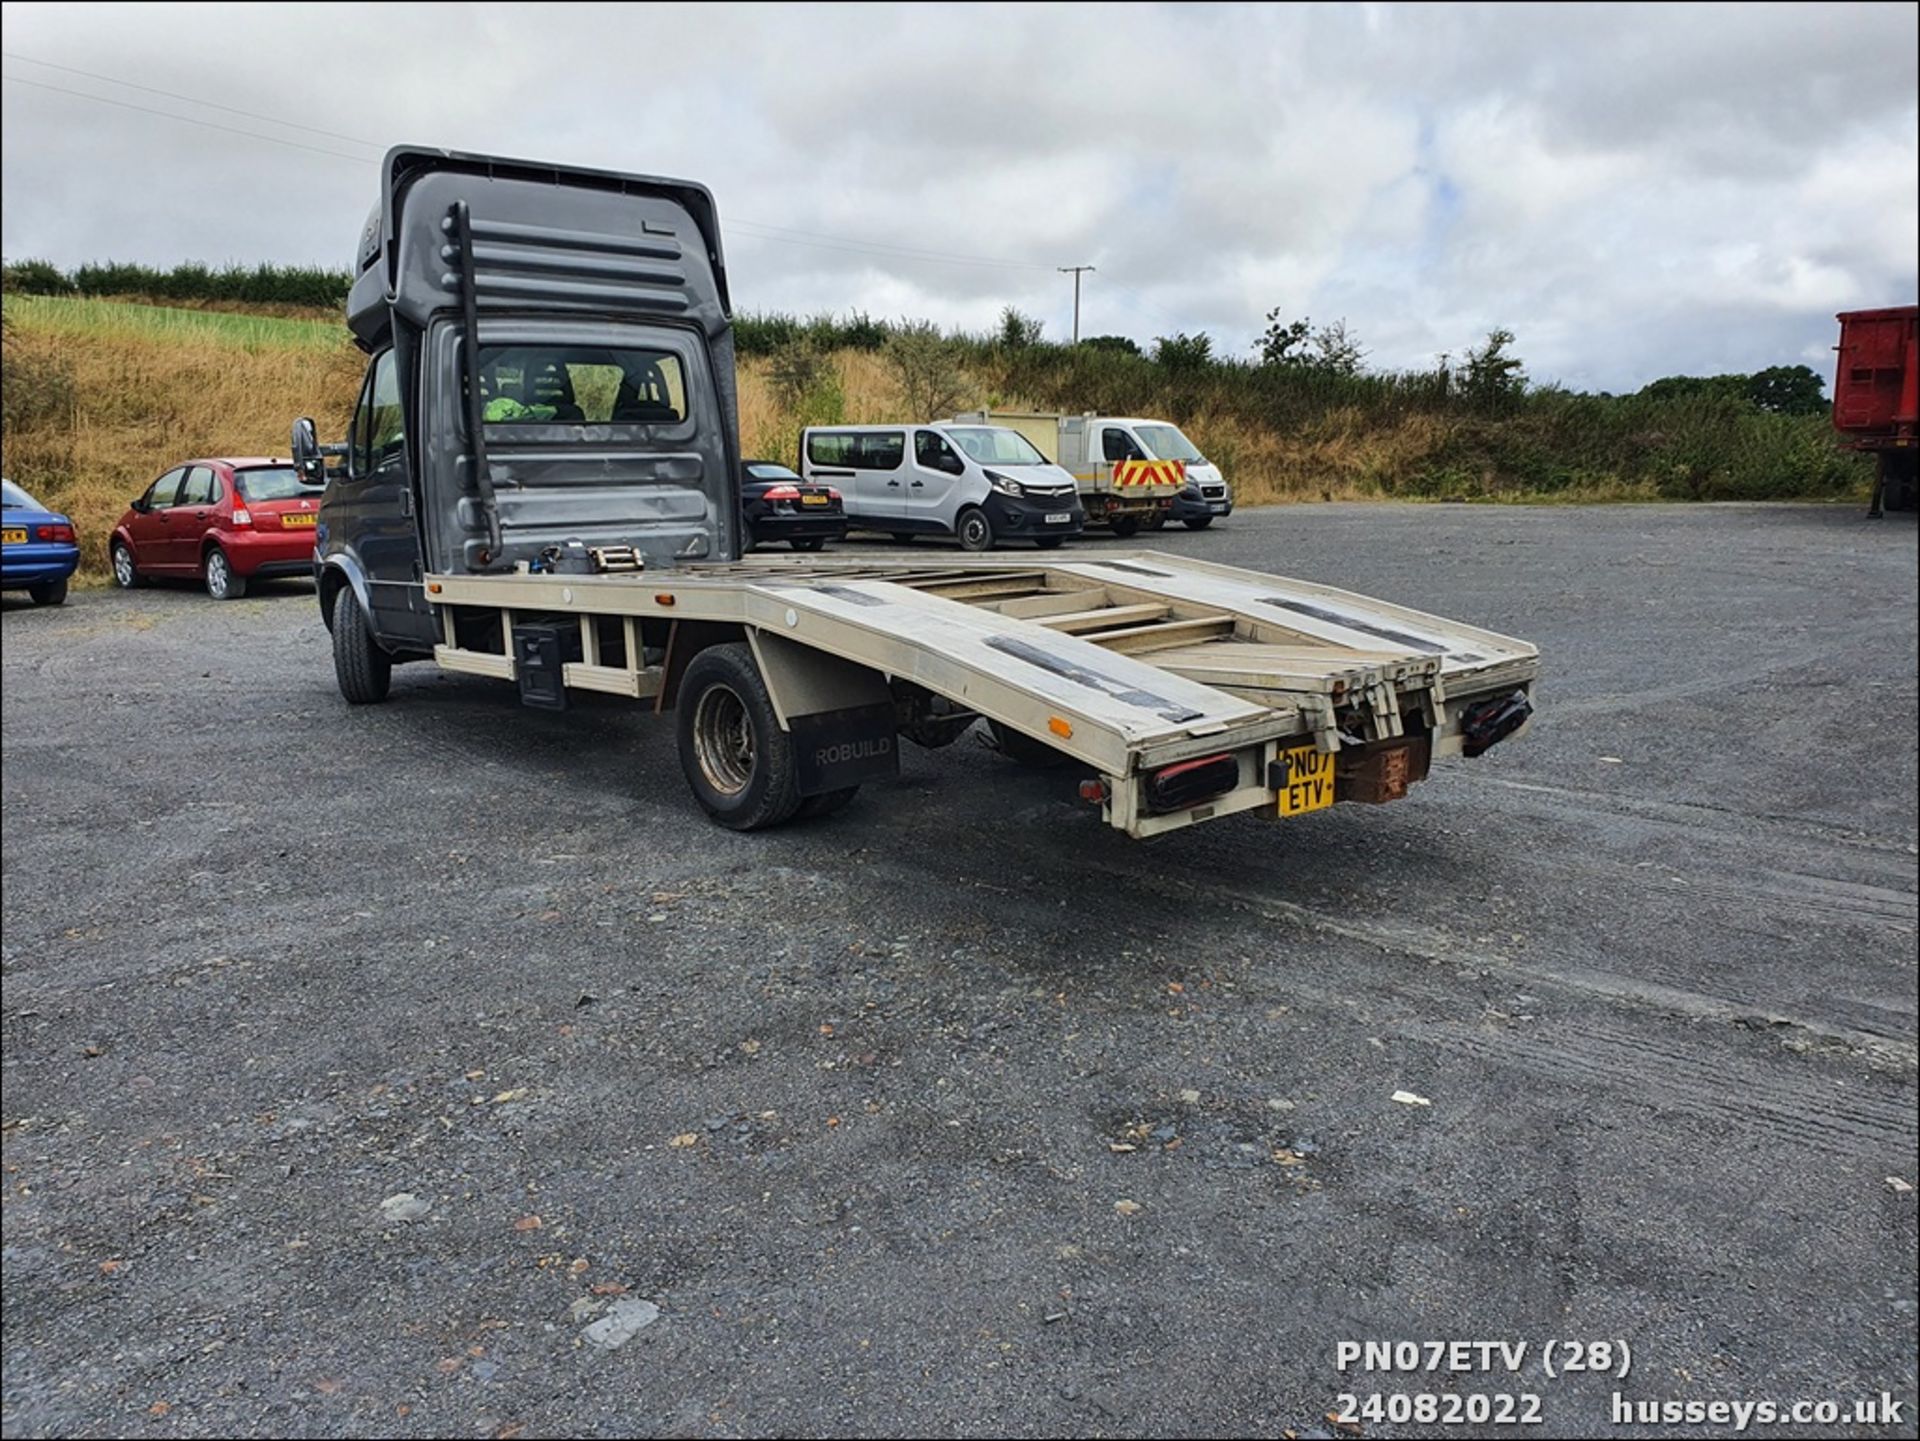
<point>1074,271</point>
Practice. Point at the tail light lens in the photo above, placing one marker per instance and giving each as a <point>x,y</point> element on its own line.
<point>242,517</point>
<point>60,533</point>
<point>833,494</point>
<point>1175,787</point>
<point>783,492</point>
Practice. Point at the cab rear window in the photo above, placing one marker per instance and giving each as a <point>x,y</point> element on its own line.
<point>581,385</point>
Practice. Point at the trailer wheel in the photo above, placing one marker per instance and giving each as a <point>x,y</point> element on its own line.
<point>362,668</point>
<point>1022,748</point>
<point>736,758</point>
<point>974,529</point>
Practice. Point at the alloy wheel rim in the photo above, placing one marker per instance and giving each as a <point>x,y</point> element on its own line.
<point>122,565</point>
<point>217,575</point>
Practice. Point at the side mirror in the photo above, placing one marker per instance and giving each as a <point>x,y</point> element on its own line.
<point>307,457</point>
<point>138,503</point>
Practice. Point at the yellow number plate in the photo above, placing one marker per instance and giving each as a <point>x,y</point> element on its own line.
<point>1309,784</point>
<point>813,500</point>
<point>296,522</point>
<point>13,535</point>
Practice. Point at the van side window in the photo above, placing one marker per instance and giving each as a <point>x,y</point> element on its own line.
<point>832,447</point>
<point>1118,445</point>
<point>883,451</point>
<point>931,450</point>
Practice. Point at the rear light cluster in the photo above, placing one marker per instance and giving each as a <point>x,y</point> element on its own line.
<point>783,492</point>
<point>1175,787</point>
<point>59,534</point>
<point>242,517</point>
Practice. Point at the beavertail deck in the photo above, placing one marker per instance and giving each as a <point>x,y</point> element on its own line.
<point>1134,664</point>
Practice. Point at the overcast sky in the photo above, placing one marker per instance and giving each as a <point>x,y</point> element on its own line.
<point>1633,191</point>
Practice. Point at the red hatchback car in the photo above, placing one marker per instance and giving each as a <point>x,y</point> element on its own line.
<point>221,522</point>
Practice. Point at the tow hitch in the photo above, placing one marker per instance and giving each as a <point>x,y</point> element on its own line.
<point>1485,725</point>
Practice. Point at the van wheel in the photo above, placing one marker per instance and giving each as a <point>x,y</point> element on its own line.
<point>1126,525</point>
<point>222,583</point>
<point>903,537</point>
<point>974,529</point>
<point>1197,522</point>
<point>1050,542</point>
<point>736,758</point>
<point>363,669</point>
<point>49,592</point>
<point>1023,749</point>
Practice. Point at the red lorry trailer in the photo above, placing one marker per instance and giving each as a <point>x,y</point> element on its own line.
<point>1876,394</point>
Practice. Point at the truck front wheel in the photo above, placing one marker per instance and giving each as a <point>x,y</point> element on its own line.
<point>362,668</point>
<point>737,759</point>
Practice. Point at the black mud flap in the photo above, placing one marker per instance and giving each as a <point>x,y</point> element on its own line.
<point>839,748</point>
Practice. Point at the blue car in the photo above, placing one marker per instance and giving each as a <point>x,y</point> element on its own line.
<point>37,549</point>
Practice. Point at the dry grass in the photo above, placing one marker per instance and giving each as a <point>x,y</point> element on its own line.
<point>143,397</point>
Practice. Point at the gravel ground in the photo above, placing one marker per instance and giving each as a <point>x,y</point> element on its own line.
<point>436,1069</point>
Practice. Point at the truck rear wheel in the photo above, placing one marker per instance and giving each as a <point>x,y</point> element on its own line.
<point>737,759</point>
<point>1126,525</point>
<point>362,668</point>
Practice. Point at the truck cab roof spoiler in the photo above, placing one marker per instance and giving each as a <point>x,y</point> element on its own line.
<point>624,266</point>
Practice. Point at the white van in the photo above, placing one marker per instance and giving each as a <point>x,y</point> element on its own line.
<point>981,484</point>
<point>1090,445</point>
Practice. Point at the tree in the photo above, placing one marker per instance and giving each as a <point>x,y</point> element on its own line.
<point>1788,390</point>
<point>1119,343</point>
<point>1336,351</point>
<point>925,366</point>
<point>1183,351</point>
<point>1493,378</point>
<point>1284,341</point>
<point>1017,331</point>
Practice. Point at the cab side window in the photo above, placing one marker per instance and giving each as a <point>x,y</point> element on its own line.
<point>1118,445</point>
<point>930,449</point>
<point>379,422</point>
<point>164,491</point>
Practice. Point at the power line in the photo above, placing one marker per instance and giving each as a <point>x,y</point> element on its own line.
<point>188,120</point>
<point>191,100</point>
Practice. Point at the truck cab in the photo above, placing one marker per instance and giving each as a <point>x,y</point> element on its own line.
<point>550,371</point>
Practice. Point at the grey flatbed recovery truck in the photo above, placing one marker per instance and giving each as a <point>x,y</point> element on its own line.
<point>540,485</point>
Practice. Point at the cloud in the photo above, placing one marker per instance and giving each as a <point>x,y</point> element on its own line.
<point>1634,190</point>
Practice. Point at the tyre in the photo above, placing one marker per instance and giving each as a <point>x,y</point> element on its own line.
<point>1126,525</point>
<point>1158,521</point>
<point>124,574</point>
<point>974,530</point>
<point>1023,749</point>
<point>1197,522</point>
<point>903,537</point>
<point>737,760</point>
<point>362,668</point>
<point>825,804</point>
<point>814,542</point>
<point>49,592</point>
<point>1050,542</point>
<point>222,583</point>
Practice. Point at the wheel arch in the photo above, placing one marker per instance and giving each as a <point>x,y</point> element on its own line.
<point>338,571</point>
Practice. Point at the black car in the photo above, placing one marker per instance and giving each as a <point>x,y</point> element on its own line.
<point>779,505</point>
